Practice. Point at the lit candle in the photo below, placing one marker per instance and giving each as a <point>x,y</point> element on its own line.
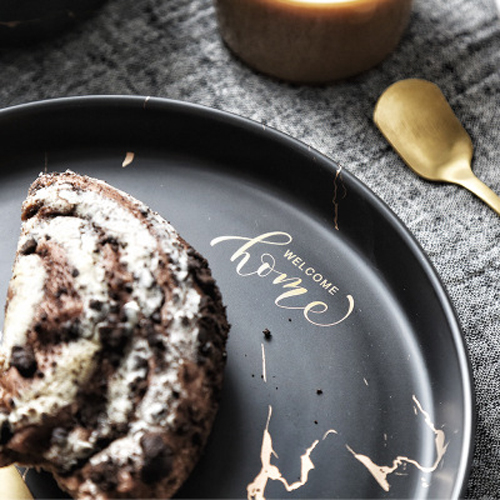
<point>312,41</point>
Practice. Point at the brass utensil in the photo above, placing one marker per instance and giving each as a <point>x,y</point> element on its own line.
<point>416,119</point>
<point>12,484</point>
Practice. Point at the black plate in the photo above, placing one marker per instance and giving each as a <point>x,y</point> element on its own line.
<point>364,364</point>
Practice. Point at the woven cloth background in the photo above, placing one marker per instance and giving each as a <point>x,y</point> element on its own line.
<point>171,48</point>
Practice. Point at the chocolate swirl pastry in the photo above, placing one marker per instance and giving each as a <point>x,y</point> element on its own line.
<point>113,349</point>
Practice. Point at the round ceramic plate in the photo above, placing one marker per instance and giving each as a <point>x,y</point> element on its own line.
<point>347,374</point>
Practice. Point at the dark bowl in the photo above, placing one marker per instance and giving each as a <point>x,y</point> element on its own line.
<point>23,22</point>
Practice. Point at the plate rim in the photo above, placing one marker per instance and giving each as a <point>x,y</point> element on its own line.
<point>374,201</point>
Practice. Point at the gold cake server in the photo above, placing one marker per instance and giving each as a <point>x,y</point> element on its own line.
<point>12,485</point>
<point>416,119</point>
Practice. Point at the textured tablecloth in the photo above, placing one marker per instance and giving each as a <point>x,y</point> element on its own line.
<point>171,48</point>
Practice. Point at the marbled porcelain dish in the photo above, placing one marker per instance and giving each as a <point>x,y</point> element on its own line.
<point>347,374</point>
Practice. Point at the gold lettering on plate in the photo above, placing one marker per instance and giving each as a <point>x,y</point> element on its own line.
<point>269,472</point>
<point>310,271</point>
<point>381,472</point>
<point>292,291</point>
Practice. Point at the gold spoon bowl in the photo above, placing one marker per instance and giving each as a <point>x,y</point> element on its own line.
<point>418,122</point>
<point>12,484</point>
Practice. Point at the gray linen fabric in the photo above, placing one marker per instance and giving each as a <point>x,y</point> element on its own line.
<point>171,48</point>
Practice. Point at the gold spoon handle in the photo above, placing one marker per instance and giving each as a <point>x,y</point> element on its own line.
<point>481,190</point>
<point>12,484</point>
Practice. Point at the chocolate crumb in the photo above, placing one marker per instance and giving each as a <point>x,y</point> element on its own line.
<point>319,392</point>
<point>23,359</point>
<point>267,333</point>
<point>197,439</point>
<point>61,291</point>
<point>205,349</point>
<point>157,458</point>
<point>104,474</point>
<point>30,211</point>
<point>113,335</point>
<point>5,432</point>
<point>29,247</point>
<point>96,305</point>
